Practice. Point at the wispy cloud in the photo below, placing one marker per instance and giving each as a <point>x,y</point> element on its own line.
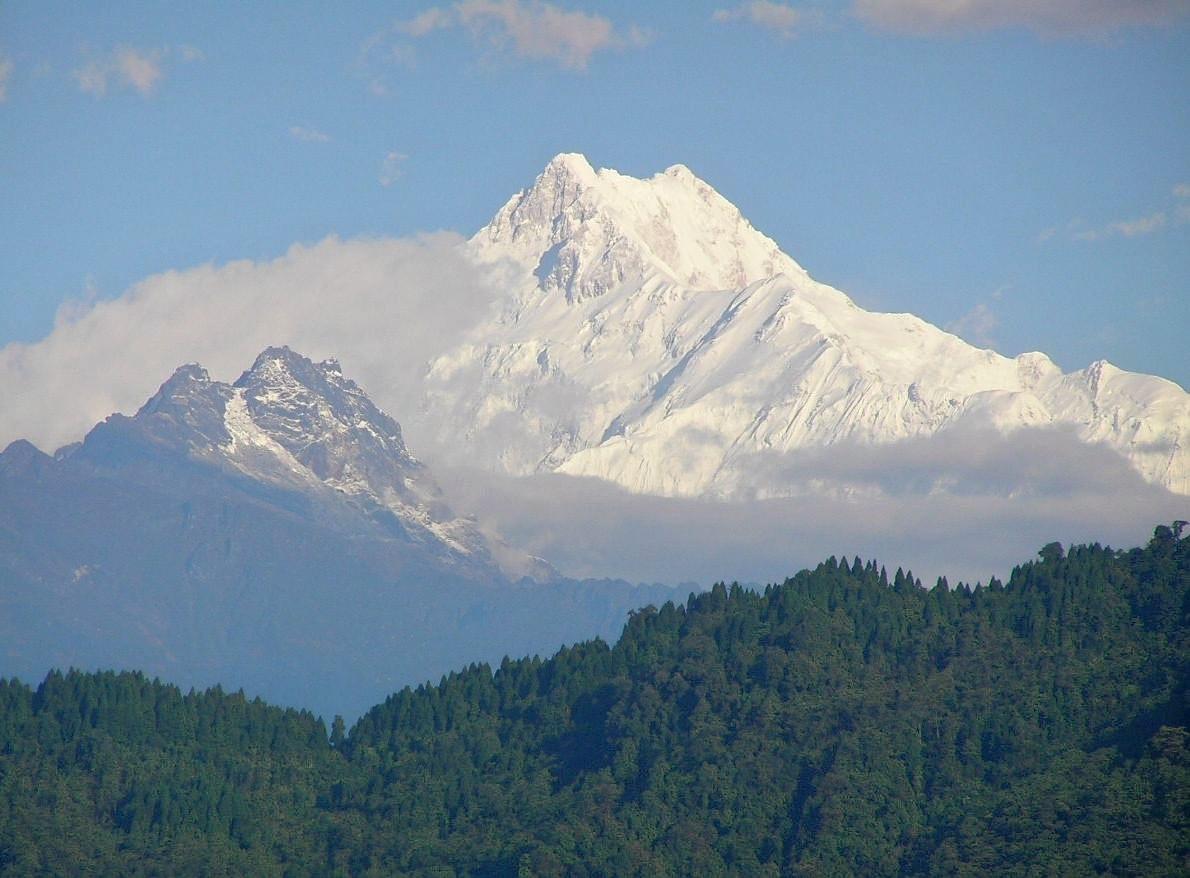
<point>5,73</point>
<point>392,168</point>
<point>1176,214</point>
<point>1126,228</point>
<point>308,135</point>
<point>432,19</point>
<point>128,67</point>
<point>978,324</point>
<point>532,30</point>
<point>780,18</point>
<point>1048,17</point>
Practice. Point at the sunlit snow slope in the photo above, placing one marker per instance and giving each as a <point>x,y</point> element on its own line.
<point>652,337</point>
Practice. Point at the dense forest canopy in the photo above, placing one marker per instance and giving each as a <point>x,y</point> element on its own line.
<point>845,721</point>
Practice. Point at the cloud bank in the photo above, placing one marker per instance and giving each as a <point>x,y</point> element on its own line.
<point>966,506</point>
<point>383,307</point>
<point>1047,17</point>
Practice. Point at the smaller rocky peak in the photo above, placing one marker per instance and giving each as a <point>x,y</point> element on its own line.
<point>321,417</point>
<point>275,363</point>
<point>282,365</point>
<point>282,353</point>
<point>23,457</point>
<point>186,380</point>
<point>189,402</point>
<point>190,372</point>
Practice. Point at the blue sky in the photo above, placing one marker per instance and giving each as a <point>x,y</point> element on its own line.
<point>1019,172</point>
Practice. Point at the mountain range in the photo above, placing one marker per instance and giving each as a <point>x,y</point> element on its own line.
<point>275,534</point>
<point>650,336</point>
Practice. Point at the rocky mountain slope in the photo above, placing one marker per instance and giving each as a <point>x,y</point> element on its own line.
<point>300,425</point>
<point>273,534</point>
<point>652,337</point>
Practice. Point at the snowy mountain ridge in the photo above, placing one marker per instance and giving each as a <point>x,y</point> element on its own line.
<point>296,424</point>
<point>585,231</point>
<point>652,337</point>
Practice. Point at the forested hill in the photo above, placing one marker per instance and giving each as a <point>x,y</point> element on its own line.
<point>844,722</point>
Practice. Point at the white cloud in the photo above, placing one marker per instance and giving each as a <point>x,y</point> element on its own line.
<point>141,70</point>
<point>1027,489</point>
<point>5,73</point>
<point>1049,17</point>
<point>432,19</point>
<point>392,168</point>
<point>780,18</point>
<point>977,325</point>
<point>1176,213</point>
<point>1129,228</point>
<point>384,307</point>
<point>530,29</point>
<point>308,135</point>
<point>127,67</point>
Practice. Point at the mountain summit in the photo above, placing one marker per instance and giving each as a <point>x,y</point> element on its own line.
<point>652,337</point>
<point>583,232</point>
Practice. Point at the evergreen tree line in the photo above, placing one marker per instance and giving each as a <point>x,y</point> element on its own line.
<point>843,722</point>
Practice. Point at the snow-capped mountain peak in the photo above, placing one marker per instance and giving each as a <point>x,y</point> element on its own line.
<point>584,232</point>
<point>652,337</point>
<point>303,426</point>
<point>325,421</point>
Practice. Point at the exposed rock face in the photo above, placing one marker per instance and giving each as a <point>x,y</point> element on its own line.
<point>296,424</point>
